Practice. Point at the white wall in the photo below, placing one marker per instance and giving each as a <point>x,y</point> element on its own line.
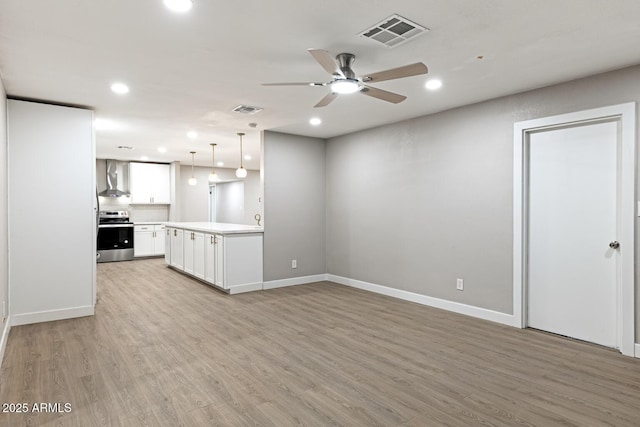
<point>51,268</point>
<point>415,205</point>
<point>4,224</point>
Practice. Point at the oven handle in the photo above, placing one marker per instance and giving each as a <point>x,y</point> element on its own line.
<point>115,226</point>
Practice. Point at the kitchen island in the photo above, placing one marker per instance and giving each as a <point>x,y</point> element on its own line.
<point>227,256</point>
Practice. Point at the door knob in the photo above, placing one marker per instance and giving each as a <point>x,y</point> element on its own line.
<point>614,245</point>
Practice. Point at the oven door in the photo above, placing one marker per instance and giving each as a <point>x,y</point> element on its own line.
<point>115,236</point>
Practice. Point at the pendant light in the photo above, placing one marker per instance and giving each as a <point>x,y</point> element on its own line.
<point>193,180</point>
<point>241,172</point>
<point>213,176</point>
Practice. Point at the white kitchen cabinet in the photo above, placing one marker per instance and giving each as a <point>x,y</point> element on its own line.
<point>194,253</point>
<point>177,248</point>
<point>231,260</point>
<point>214,260</point>
<point>220,270</point>
<point>167,245</point>
<point>148,240</point>
<point>198,255</point>
<point>210,257</point>
<point>150,183</point>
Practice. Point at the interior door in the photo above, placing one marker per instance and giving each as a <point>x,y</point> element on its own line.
<point>572,219</point>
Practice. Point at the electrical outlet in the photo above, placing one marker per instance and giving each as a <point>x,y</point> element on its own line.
<point>294,263</point>
<point>460,284</point>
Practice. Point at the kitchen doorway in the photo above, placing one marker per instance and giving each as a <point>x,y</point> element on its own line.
<point>226,202</point>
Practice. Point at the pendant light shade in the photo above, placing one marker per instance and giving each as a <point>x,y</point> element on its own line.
<point>241,172</point>
<point>193,180</point>
<point>213,176</point>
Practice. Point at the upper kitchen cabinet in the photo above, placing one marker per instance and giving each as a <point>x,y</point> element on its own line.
<point>150,183</point>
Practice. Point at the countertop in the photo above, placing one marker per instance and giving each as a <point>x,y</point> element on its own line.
<point>216,227</point>
<point>149,222</point>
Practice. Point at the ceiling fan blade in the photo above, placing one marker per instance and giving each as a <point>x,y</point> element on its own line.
<point>382,94</point>
<point>294,84</point>
<point>397,73</point>
<point>326,100</point>
<point>325,60</point>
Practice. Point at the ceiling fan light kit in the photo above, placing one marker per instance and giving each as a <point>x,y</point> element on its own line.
<point>345,81</point>
<point>345,86</point>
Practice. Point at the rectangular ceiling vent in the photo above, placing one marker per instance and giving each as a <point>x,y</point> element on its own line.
<point>393,31</point>
<point>247,109</point>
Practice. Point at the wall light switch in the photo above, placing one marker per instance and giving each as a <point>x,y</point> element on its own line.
<point>294,263</point>
<point>460,284</point>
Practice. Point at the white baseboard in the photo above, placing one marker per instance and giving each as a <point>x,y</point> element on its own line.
<point>51,315</point>
<point>637,351</point>
<point>302,280</point>
<point>456,307</point>
<point>5,337</point>
<point>249,287</point>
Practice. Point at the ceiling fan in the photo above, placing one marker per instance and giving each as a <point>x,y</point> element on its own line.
<point>344,80</point>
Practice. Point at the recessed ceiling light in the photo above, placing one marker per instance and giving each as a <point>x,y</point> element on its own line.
<point>315,121</point>
<point>119,88</point>
<point>433,84</point>
<point>144,158</point>
<point>220,164</point>
<point>247,157</point>
<point>162,149</point>
<point>192,134</point>
<point>179,6</point>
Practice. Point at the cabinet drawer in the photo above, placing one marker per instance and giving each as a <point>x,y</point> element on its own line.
<point>149,227</point>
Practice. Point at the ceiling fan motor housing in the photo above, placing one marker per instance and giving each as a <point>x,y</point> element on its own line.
<point>345,60</point>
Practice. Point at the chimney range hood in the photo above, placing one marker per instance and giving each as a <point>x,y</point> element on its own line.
<point>112,182</point>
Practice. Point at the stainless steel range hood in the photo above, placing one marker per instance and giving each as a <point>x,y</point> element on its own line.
<point>112,182</point>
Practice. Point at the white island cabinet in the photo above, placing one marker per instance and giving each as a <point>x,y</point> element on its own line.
<point>227,256</point>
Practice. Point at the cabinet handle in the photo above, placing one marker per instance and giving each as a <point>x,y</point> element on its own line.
<point>212,240</point>
<point>175,233</point>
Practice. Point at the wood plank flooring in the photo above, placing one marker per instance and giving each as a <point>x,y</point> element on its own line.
<point>166,350</point>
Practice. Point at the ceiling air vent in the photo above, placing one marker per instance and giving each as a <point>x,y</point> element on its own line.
<point>393,31</point>
<point>247,109</point>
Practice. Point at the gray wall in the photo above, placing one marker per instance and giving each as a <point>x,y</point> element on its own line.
<point>230,202</point>
<point>294,205</point>
<point>415,205</point>
<point>194,200</point>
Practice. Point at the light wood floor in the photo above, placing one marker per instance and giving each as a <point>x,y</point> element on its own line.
<point>165,350</point>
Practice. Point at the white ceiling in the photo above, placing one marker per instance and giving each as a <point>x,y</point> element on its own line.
<point>188,71</point>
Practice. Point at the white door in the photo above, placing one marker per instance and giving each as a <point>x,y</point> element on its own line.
<point>572,288</point>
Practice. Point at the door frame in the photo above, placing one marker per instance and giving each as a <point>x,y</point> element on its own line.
<point>625,115</point>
